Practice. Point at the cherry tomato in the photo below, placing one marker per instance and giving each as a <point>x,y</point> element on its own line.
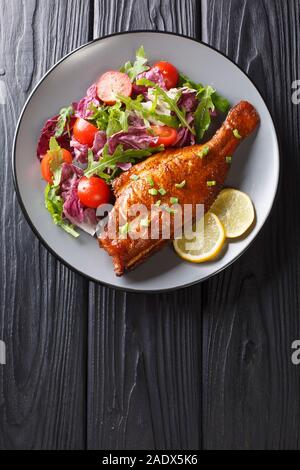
<point>46,162</point>
<point>113,83</point>
<point>169,72</point>
<point>166,135</point>
<point>84,132</point>
<point>93,192</point>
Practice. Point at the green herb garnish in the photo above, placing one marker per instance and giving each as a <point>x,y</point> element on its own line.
<point>150,181</point>
<point>228,159</point>
<point>211,183</point>
<point>134,177</point>
<point>162,191</point>
<point>204,152</point>
<point>158,203</point>
<point>180,185</point>
<point>174,200</point>
<point>153,192</point>
<point>236,134</point>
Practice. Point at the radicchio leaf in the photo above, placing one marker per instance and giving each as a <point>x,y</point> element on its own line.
<point>134,138</point>
<point>84,106</point>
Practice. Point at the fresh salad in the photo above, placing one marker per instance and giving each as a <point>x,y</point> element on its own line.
<point>125,117</point>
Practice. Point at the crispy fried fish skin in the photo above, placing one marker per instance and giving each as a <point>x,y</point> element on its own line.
<point>168,168</point>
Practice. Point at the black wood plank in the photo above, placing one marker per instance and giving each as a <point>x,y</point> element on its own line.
<point>42,304</point>
<point>144,350</point>
<point>251,314</point>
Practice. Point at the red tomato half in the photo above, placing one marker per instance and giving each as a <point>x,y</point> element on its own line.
<point>113,83</point>
<point>93,192</point>
<point>46,161</point>
<point>169,72</point>
<point>84,132</point>
<point>166,135</point>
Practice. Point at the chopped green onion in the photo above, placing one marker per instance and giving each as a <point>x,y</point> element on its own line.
<point>150,181</point>
<point>180,185</point>
<point>174,200</point>
<point>158,203</point>
<point>211,183</point>
<point>228,159</point>
<point>203,152</point>
<point>236,134</point>
<point>124,229</point>
<point>134,177</point>
<point>153,192</point>
<point>162,191</point>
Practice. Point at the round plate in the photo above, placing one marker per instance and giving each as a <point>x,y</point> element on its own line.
<point>255,169</point>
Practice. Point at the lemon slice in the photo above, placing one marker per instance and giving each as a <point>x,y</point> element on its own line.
<point>235,211</point>
<point>205,243</point>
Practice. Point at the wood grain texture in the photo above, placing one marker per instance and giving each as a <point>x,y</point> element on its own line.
<point>251,313</point>
<point>42,304</point>
<point>144,350</point>
<point>180,16</point>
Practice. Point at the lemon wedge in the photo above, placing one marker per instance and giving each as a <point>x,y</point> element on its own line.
<point>205,243</point>
<point>235,211</point>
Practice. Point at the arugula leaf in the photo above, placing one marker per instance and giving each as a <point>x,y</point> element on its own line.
<point>202,113</point>
<point>139,66</point>
<point>221,103</point>
<point>54,204</point>
<point>146,114</point>
<point>100,116</point>
<point>185,81</point>
<point>172,103</point>
<point>108,161</point>
<point>63,121</point>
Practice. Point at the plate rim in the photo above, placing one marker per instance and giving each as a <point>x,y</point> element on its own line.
<point>44,242</point>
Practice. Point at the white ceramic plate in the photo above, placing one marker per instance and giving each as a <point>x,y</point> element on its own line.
<point>255,169</point>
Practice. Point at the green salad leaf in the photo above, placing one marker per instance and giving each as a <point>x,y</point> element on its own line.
<point>65,115</point>
<point>111,119</point>
<point>185,81</point>
<point>221,103</point>
<point>202,113</point>
<point>147,114</point>
<point>55,152</point>
<point>54,204</point>
<point>117,119</point>
<point>171,102</point>
<point>53,201</point>
<point>139,65</point>
<point>108,161</point>
<point>100,116</point>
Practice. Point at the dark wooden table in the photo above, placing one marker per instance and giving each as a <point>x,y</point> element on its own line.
<point>204,367</point>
